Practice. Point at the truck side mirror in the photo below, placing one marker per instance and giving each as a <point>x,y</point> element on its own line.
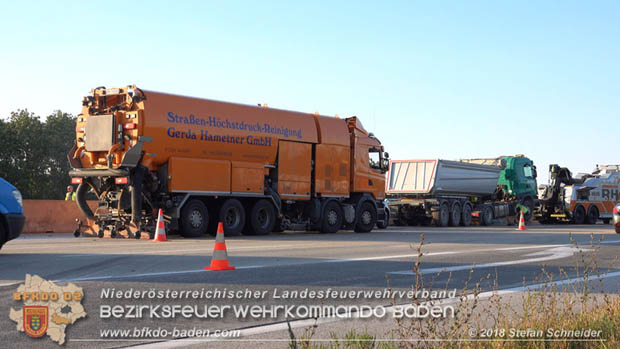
<point>385,163</point>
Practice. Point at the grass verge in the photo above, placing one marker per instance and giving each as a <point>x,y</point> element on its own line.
<point>569,309</point>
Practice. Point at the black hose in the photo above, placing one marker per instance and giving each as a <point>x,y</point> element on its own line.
<point>80,199</point>
<point>136,195</point>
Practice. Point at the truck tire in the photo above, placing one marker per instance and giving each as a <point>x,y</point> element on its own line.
<point>232,216</point>
<point>579,216</point>
<point>466,215</point>
<point>367,218</point>
<point>383,225</point>
<point>592,217</point>
<point>194,219</point>
<point>455,214</point>
<point>262,218</point>
<point>442,217</point>
<point>606,221</point>
<point>486,216</point>
<point>332,218</point>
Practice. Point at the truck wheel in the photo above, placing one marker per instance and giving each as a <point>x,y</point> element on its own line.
<point>606,220</point>
<point>232,216</point>
<point>262,218</point>
<point>383,225</point>
<point>444,215</point>
<point>466,215</point>
<point>486,216</point>
<point>592,217</point>
<point>332,218</point>
<point>579,217</point>
<point>194,219</point>
<point>367,218</point>
<point>455,214</point>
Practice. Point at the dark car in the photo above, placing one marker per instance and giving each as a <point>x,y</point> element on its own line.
<point>11,212</point>
<point>617,218</point>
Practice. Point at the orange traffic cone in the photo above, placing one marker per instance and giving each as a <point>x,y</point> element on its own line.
<point>160,232</point>
<point>220,256</point>
<point>521,222</point>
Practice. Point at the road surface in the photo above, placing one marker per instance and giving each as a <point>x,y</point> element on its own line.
<point>272,266</point>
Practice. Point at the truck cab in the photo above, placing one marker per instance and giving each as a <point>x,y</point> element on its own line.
<point>518,177</point>
<point>369,162</point>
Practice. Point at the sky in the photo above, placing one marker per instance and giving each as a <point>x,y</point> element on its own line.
<point>431,79</point>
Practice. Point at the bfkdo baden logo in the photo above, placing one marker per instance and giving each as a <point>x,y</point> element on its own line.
<point>47,308</point>
<point>35,320</point>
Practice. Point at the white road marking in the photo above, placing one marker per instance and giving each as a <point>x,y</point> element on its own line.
<point>105,277</point>
<point>555,253</point>
<point>315,261</point>
<point>208,249</point>
<point>426,254</point>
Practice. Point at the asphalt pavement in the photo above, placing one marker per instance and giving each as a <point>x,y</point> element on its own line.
<point>270,267</point>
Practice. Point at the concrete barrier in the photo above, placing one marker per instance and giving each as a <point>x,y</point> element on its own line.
<point>52,216</point>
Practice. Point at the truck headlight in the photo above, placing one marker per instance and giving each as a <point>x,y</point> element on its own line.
<point>18,197</point>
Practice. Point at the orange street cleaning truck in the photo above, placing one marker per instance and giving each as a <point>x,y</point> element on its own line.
<point>255,169</point>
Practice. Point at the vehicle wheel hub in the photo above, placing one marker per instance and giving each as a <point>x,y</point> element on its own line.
<point>195,219</point>
<point>366,217</point>
<point>232,217</point>
<point>332,217</point>
<point>262,218</point>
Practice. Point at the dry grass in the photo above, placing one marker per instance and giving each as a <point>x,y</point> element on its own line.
<point>561,301</point>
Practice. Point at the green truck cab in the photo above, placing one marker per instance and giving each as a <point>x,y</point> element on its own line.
<point>518,177</point>
<point>518,181</point>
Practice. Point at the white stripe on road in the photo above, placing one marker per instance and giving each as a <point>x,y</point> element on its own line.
<point>105,277</point>
<point>427,254</point>
<point>209,249</point>
<point>555,253</point>
<point>314,261</point>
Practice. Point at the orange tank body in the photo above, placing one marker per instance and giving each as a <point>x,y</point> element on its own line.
<point>140,150</point>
